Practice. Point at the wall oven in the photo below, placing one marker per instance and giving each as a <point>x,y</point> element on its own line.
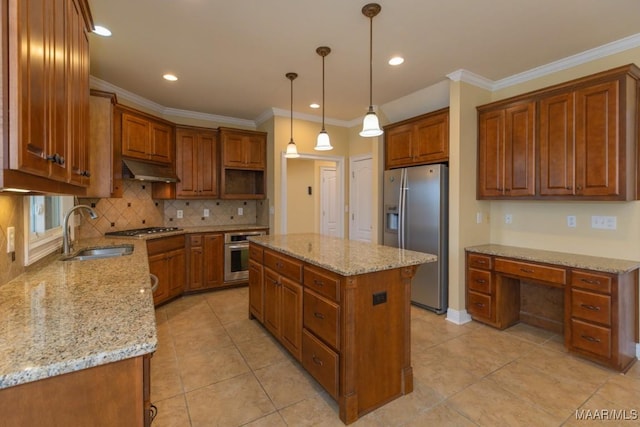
<point>236,255</point>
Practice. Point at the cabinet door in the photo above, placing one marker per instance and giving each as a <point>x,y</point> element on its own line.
<point>187,163</point>
<point>291,320</point>
<point>597,140</point>
<point>158,266</point>
<point>176,267</point>
<point>398,143</point>
<point>557,158</point>
<point>431,139</point>
<point>491,153</point>
<point>255,148</point>
<point>59,99</point>
<point>208,164</point>
<point>135,136</point>
<point>196,268</point>
<point>272,302</point>
<point>161,143</point>
<point>233,150</point>
<point>213,261</point>
<point>520,150</point>
<point>256,290</point>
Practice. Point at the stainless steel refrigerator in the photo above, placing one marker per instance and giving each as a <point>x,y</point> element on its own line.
<point>416,218</point>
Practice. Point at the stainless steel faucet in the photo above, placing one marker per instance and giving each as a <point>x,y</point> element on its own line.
<point>66,239</point>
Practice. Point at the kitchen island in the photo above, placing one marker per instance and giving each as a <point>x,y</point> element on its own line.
<point>76,341</point>
<point>342,309</point>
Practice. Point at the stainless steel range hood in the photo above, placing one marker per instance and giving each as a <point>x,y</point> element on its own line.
<point>143,171</point>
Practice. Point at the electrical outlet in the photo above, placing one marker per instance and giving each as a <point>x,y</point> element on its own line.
<point>571,221</point>
<point>179,214</point>
<point>508,219</point>
<point>610,222</point>
<point>11,239</point>
<point>206,213</point>
<point>240,211</point>
<point>478,217</point>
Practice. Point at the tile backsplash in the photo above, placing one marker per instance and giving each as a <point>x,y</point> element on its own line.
<point>136,209</point>
<point>11,215</point>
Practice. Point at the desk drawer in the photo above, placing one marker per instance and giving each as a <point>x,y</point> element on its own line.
<point>591,338</point>
<point>321,316</point>
<point>479,305</point>
<point>321,362</point>
<point>593,281</point>
<point>531,271</point>
<point>322,282</point>
<point>591,307</point>
<point>284,265</point>
<point>479,280</point>
<point>479,261</point>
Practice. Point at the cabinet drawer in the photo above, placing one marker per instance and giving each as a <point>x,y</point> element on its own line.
<point>479,280</point>
<point>591,338</point>
<point>479,305</point>
<point>479,261</point>
<point>321,362</point>
<point>531,271</point>
<point>255,252</point>
<point>195,240</point>
<point>165,244</point>
<point>321,316</point>
<point>283,265</point>
<point>593,281</point>
<point>322,282</point>
<point>591,307</point>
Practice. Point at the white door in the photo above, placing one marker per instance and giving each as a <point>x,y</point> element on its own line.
<point>360,190</point>
<point>329,206</point>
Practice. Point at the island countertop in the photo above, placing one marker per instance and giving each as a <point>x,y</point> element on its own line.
<point>71,315</point>
<point>342,256</point>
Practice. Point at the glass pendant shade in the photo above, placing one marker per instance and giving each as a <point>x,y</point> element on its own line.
<point>292,150</point>
<point>371,125</point>
<point>323,143</point>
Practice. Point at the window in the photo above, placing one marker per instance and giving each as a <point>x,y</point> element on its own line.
<point>43,217</point>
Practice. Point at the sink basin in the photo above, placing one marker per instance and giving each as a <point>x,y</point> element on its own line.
<point>101,252</point>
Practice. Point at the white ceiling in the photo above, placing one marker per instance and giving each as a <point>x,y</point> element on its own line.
<point>231,56</point>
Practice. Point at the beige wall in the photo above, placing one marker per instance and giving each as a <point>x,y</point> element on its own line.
<point>302,208</point>
<point>11,215</point>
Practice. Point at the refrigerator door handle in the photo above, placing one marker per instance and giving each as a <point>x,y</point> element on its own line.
<point>402,209</point>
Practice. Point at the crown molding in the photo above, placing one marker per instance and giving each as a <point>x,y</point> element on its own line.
<point>279,112</point>
<point>470,77</point>
<point>209,117</point>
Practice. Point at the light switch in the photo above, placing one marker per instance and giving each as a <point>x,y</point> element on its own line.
<point>240,211</point>
<point>571,221</point>
<point>206,213</point>
<point>11,239</point>
<point>478,217</point>
<point>508,219</point>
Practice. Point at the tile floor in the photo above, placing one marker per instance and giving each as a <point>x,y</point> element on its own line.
<point>215,367</point>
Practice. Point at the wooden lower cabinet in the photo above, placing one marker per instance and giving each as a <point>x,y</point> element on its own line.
<point>357,349</point>
<point>206,262</point>
<point>114,394</point>
<point>167,262</point>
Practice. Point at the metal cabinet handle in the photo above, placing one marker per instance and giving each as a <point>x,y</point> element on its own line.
<point>155,282</point>
<point>591,282</point>
<point>590,307</point>
<point>318,282</point>
<point>481,261</point>
<point>481,281</point>
<point>590,339</point>
<point>479,304</point>
<point>527,270</point>
<point>317,360</point>
<point>319,315</point>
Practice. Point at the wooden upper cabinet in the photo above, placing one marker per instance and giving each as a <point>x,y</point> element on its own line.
<point>146,138</point>
<point>243,149</point>
<point>417,141</point>
<point>506,152</point>
<point>196,163</point>
<point>557,145</point>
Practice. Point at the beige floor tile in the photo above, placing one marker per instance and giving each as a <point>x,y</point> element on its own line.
<point>634,371</point>
<point>555,343</point>
<point>622,390</point>
<point>311,411</point>
<point>199,340</point>
<point>442,372</point>
<point>271,420</point>
<point>232,402</point>
<point>245,329</point>
<point>440,416</point>
<point>165,379</point>
<point>205,368</point>
<point>407,407</point>
<point>262,351</point>
<point>286,383</point>
<point>172,412</point>
<point>530,333</point>
<point>488,404</point>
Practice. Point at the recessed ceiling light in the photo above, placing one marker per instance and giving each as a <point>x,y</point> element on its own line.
<point>314,105</point>
<point>396,60</point>
<point>102,31</point>
<point>170,77</point>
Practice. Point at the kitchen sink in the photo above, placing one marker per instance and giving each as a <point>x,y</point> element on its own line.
<point>99,252</point>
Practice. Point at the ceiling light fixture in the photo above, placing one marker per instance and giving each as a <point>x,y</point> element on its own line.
<point>102,31</point>
<point>396,60</point>
<point>323,143</point>
<point>371,125</point>
<point>292,150</point>
<point>170,77</point>
<point>314,105</point>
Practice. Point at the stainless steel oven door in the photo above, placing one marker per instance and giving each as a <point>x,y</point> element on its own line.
<point>236,261</point>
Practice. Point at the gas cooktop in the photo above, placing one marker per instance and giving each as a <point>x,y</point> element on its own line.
<point>136,232</point>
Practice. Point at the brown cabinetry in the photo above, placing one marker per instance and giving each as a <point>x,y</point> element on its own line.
<point>167,262</point>
<point>418,141</point>
<point>145,137</point>
<point>196,163</point>
<point>48,55</point>
<point>243,164</point>
<point>106,164</point>
<point>206,263</point>
<point>586,140</point>
<point>599,310</point>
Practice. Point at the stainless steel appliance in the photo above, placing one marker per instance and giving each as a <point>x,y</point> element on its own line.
<point>141,232</point>
<point>416,218</point>
<point>236,254</point>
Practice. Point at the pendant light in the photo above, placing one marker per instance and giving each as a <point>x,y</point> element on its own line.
<point>292,150</point>
<point>323,143</point>
<point>371,125</point>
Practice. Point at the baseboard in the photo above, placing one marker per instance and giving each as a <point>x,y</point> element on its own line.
<point>459,317</point>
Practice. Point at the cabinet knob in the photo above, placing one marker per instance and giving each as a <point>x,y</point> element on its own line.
<point>319,315</point>
<point>317,360</point>
<point>578,187</point>
<point>56,158</point>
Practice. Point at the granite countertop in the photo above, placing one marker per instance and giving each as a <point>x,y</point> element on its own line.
<point>342,256</point>
<point>587,262</point>
<point>199,229</point>
<point>71,315</point>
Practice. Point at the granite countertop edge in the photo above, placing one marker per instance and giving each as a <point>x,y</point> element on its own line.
<point>196,230</point>
<point>586,262</point>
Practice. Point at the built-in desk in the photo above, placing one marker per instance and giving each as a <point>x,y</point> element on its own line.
<point>597,297</point>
